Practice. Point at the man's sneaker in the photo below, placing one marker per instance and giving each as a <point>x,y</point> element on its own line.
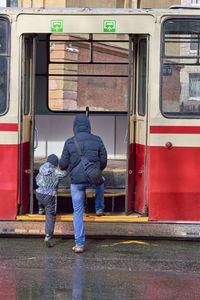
<point>41,211</point>
<point>100,213</point>
<point>77,249</point>
<point>47,240</point>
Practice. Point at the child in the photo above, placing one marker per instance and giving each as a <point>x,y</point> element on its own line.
<point>46,193</point>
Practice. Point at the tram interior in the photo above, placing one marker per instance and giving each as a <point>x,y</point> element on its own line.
<point>73,72</point>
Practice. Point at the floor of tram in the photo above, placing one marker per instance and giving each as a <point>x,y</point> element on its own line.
<point>91,217</point>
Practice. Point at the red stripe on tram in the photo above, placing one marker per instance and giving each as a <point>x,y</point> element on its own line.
<point>175,129</point>
<point>8,127</point>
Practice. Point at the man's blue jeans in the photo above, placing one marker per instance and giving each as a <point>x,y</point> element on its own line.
<point>78,199</point>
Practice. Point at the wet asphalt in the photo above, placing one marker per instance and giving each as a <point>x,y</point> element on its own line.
<point>108,269</point>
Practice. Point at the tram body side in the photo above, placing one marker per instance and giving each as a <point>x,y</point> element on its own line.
<point>174,144</point>
<point>172,183</point>
<point>9,125</point>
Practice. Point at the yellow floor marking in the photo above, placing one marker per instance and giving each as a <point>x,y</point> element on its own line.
<point>114,170</point>
<point>127,242</point>
<point>105,170</point>
<point>92,195</point>
<point>32,258</point>
<point>87,219</point>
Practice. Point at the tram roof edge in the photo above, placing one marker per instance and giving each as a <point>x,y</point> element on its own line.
<point>87,10</point>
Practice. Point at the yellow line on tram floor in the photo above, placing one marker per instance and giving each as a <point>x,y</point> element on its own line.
<point>87,219</point>
<point>114,170</point>
<point>104,171</point>
<point>91,195</point>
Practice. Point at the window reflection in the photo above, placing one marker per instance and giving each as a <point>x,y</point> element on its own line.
<point>88,71</point>
<point>4,36</point>
<point>181,68</point>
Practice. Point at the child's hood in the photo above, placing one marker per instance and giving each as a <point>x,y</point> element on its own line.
<point>47,169</point>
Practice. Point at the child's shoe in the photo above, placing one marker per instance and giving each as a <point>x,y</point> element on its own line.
<point>47,240</point>
<point>41,211</point>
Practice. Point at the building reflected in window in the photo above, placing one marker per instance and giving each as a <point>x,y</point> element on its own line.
<point>8,3</point>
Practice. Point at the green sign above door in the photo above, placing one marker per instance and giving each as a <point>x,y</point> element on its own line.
<point>56,25</point>
<point>109,26</point>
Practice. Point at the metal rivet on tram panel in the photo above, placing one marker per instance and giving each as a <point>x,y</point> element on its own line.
<point>28,171</point>
<point>169,145</point>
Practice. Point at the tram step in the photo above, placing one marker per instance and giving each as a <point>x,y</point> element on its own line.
<point>114,200</point>
<point>114,191</point>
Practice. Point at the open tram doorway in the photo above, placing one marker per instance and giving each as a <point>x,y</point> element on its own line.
<point>75,71</point>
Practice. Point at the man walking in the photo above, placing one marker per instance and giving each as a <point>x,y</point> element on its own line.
<point>93,148</point>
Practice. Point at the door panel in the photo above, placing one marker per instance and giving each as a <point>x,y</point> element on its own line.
<point>138,128</point>
<point>26,123</point>
<point>131,167</point>
<point>139,172</point>
<point>131,125</point>
<point>141,127</point>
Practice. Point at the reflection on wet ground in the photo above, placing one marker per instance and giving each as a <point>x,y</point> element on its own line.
<point>108,269</point>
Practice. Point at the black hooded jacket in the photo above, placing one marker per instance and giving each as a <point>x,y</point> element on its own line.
<point>91,146</point>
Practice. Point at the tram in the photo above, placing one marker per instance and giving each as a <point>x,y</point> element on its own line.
<point>138,72</point>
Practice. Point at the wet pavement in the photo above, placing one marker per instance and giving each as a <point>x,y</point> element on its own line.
<point>108,269</point>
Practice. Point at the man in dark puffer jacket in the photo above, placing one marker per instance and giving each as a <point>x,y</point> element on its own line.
<point>93,148</point>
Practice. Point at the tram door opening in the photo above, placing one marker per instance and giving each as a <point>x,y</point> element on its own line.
<point>75,71</point>
<point>106,73</point>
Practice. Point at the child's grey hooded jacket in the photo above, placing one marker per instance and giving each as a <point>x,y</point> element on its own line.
<point>48,178</point>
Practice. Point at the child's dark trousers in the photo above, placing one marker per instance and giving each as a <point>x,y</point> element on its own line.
<point>50,205</point>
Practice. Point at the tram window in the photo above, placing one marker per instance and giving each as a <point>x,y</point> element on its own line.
<point>8,3</point>
<point>76,93</point>
<point>3,84</point>
<point>4,37</point>
<point>89,71</point>
<point>142,77</point>
<point>120,37</point>
<point>114,53</point>
<point>68,51</point>
<point>181,68</point>
<point>194,86</point>
<point>13,3</point>
<point>180,76</point>
<point>195,42</point>
<point>27,72</point>
<point>3,34</point>
<point>3,3</point>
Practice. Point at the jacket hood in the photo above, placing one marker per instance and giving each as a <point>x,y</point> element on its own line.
<point>81,124</point>
<point>47,169</point>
